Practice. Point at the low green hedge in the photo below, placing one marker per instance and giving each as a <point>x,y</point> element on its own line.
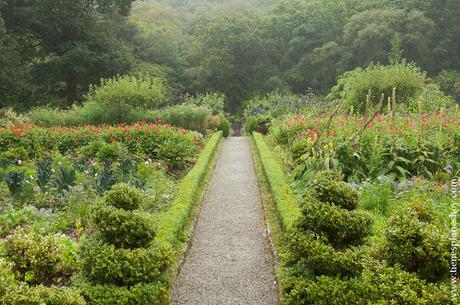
<point>173,223</point>
<point>286,204</point>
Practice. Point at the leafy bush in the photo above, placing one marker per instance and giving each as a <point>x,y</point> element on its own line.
<point>259,123</point>
<point>412,241</point>
<point>275,104</point>
<point>125,229</point>
<point>407,79</point>
<point>213,101</point>
<point>378,285</point>
<point>449,81</point>
<point>104,263</point>
<point>224,125</point>
<point>39,295</point>
<point>319,256</point>
<point>152,294</point>
<point>39,259</point>
<point>327,235</point>
<point>328,186</point>
<point>121,94</point>
<point>340,226</point>
<point>9,117</point>
<point>125,197</point>
<point>186,116</point>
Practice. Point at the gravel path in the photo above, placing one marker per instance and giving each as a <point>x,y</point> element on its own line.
<point>228,262</point>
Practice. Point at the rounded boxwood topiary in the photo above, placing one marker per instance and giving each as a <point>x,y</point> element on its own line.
<point>124,196</point>
<point>139,294</point>
<point>328,186</point>
<point>39,295</point>
<point>342,227</point>
<point>321,258</point>
<point>417,245</point>
<point>125,229</point>
<point>104,263</point>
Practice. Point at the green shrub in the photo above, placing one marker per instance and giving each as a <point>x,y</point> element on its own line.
<point>41,259</point>
<point>449,81</point>
<point>187,116</point>
<point>340,226</point>
<point>286,204</point>
<point>258,123</point>
<point>376,197</point>
<point>224,125</point>
<point>213,101</point>
<point>319,256</point>
<point>106,264</point>
<point>175,152</point>
<point>430,99</point>
<point>412,241</point>
<point>125,229</point>
<point>7,278</point>
<point>9,117</point>
<point>120,95</point>
<point>173,223</point>
<point>139,294</point>
<point>39,295</point>
<point>124,196</point>
<point>378,285</point>
<point>408,80</point>
<point>103,151</point>
<point>328,186</point>
<point>276,105</point>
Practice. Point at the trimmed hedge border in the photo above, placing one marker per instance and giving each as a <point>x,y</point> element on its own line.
<point>174,223</point>
<point>286,204</point>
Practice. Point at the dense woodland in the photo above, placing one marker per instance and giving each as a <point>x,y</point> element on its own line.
<point>51,51</point>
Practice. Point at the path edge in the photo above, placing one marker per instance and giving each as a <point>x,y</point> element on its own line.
<point>178,222</point>
<point>277,200</point>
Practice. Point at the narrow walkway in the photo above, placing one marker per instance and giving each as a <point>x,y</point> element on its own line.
<point>228,263</point>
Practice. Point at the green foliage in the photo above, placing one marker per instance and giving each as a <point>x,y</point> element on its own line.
<point>328,187</point>
<point>125,197</point>
<point>9,117</point>
<point>276,104</point>
<point>66,177</point>
<point>377,197</point>
<point>224,125</point>
<point>39,259</point>
<point>152,294</point>
<point>341,227</point>
<point>449,81</point>
<point>124,229</point>
<point>44,170</point>
<point>214,101</point>
<point>38,295</point>
<point>173,224</point>
<point>412,241</point>
<point>120,95</point>
<point>104,263</point>
<point>378,285</point>
<point>286,204</point>
<point>188,116</point>
<point>407,79</point>
<point>258,123</point>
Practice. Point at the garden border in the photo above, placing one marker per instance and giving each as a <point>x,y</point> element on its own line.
<point>176,224</point>
<point>287,208</point>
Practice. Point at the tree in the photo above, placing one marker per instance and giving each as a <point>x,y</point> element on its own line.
<point>78,39</point>
<point>227,56</point>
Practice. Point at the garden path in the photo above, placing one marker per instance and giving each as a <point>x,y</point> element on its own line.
<point>228,262</point>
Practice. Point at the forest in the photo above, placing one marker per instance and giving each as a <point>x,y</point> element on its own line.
<point>238,48</point>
